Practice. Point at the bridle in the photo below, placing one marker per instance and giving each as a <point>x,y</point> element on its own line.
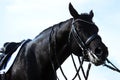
<point>85,51</point>
<point>80,43</point>
<point>83,45</point>
<point>77,36</point>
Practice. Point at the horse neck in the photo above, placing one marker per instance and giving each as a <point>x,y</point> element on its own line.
<point>59,42</point>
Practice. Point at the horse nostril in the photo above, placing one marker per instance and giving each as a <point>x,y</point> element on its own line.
<point>98,51</point>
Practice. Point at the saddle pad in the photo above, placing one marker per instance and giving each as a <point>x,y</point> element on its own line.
<point>12,59</point>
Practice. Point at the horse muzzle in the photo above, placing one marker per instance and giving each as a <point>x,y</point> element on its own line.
<point>98,57</point>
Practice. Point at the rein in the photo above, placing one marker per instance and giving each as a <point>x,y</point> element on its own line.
<point>83,45</point>
<point>111,66</point>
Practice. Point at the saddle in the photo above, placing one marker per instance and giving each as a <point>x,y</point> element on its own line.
<point>10,57</point>
<point>11,48</point>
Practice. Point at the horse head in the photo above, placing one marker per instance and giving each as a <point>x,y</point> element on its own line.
<point>84,38</point>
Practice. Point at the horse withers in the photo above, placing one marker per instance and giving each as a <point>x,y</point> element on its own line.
<point>40,58</point>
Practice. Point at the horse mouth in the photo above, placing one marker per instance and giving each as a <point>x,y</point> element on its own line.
<point>95,59</point>
<point>98,62</point>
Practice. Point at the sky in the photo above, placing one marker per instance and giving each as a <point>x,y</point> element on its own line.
<point>23,19</point>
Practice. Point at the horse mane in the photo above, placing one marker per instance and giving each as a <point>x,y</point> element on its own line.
<point>85,16</point>
<point>55,26</point>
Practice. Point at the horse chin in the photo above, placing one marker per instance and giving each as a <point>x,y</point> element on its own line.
<point>95,60</point>
<point>98,63</point>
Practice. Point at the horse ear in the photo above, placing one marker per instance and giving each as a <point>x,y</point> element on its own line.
<point>91,14</point>
<point>73,12</point>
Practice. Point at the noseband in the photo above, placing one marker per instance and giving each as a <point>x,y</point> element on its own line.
<point>83,45</point>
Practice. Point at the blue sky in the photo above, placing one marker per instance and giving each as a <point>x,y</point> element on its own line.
<point>23,19</point>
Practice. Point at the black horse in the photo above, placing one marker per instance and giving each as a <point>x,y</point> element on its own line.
<point>41,57</point>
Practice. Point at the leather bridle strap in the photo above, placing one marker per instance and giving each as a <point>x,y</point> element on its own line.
<point>91,38</point>
<point>83,46</point>
<point>75,34</point>
<point>77,38</point>
<point>83,21</point>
